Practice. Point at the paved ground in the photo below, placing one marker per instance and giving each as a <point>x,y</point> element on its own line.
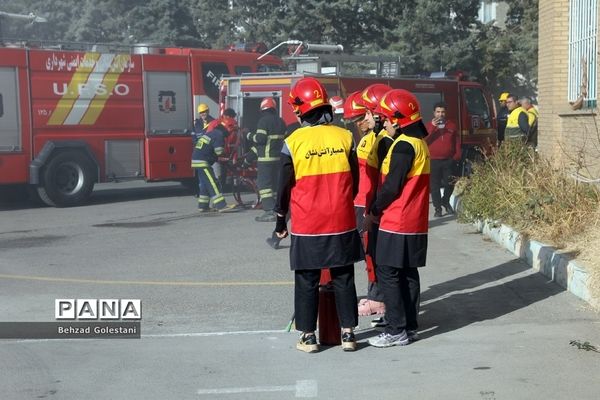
<point>216,300</point>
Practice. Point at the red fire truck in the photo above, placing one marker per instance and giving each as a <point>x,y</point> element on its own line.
<point>69,119</point>
<point>467,102</point>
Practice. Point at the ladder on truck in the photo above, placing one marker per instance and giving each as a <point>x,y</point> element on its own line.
<point>327,59</point>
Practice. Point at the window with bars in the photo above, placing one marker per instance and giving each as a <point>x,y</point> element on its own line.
<point>583,51</point>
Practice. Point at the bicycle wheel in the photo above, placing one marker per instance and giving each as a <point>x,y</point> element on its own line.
<point>244,185</point>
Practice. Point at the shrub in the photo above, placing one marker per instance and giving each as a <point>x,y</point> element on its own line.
<point>519,188</point>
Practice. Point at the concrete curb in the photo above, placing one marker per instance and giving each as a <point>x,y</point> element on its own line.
<point>543,258</point>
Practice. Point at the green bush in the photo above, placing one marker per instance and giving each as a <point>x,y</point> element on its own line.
<point>517,187</point>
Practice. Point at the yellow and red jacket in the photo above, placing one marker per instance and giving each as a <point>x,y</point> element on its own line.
<point>364,182</point>
<point>321,199</point>
<point>408,214</point>
<point>368,166</point>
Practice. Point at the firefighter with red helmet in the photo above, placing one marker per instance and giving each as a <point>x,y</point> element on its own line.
<point>319,178</point>
<point>371,150</point>
<point>402,204</point>
<point>209,147</point>
<point>267,142</point>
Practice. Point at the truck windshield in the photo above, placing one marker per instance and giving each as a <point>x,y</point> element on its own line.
<point>477,105</point>
<point>427,101</point>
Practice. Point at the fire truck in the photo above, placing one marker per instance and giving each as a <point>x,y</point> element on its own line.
<point>72,118</point>
<point>468,103</point>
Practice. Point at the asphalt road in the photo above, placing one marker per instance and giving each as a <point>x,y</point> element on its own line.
<point>216,301</point>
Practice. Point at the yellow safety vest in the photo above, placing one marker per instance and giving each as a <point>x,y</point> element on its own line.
<point>512,124</point>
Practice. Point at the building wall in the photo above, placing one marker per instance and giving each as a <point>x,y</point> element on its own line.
<point>566,136</point>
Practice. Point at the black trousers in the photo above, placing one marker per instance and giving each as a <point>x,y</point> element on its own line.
<point>266,180</point>
<point>442,176</point>
<point>401,289</point>
<point>373,291</point>
<point>306,297</point>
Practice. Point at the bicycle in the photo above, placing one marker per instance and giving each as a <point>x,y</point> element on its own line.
<point>243,178</point>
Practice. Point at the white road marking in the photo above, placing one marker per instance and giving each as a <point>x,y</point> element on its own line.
<point>207,334</point>
<point>155,336</point>
<point>302,389</point>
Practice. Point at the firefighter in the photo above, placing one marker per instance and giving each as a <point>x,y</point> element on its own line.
<point>319,178</point>
<point>209,147</point>
<point>517,125</point>
<point>201,123</point>
<point>402,204</point>
<point>371,150</point>
<point>268,140</point>
<point>221,166</point>
<point>369,98</point>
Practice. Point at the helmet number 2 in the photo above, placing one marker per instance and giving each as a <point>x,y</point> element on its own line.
<point>317,94</point>
<point>412,106</point>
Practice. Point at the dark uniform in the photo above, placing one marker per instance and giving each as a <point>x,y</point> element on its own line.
<point>502,118</point>
<point>208,148</point>
<point>200,128</point>
<point>268,141</point>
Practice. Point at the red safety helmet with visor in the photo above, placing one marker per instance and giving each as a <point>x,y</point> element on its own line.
<point>372,94</point>
<point>400,107</point>
<point>306,95</point>
<point>353,109</point>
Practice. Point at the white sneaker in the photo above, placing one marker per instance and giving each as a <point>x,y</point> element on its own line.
<point>387,340</point>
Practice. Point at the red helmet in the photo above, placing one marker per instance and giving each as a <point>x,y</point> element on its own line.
<point>353,108</point>
<point>267,102</point>
<point>307,94</point>
<point>372,94</point>
<point>400,107</point>
<point>337,103</point>
<point>229,123</point>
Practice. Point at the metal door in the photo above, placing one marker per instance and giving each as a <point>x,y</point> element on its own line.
<point>10,115</point>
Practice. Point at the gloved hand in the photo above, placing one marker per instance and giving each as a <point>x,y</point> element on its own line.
<point>281,227</point>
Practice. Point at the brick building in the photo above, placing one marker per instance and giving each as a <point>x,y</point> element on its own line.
<point>569,124</point>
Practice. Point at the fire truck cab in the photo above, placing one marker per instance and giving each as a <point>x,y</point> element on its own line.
<point>69,119</point>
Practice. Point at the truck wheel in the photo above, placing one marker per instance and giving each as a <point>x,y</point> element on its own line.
<point>67,180</point>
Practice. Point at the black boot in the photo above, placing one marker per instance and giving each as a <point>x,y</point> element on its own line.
<point>449,209</point>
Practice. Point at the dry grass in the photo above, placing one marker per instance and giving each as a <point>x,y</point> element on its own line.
<point>588,245</point>
<point>517,187</point>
